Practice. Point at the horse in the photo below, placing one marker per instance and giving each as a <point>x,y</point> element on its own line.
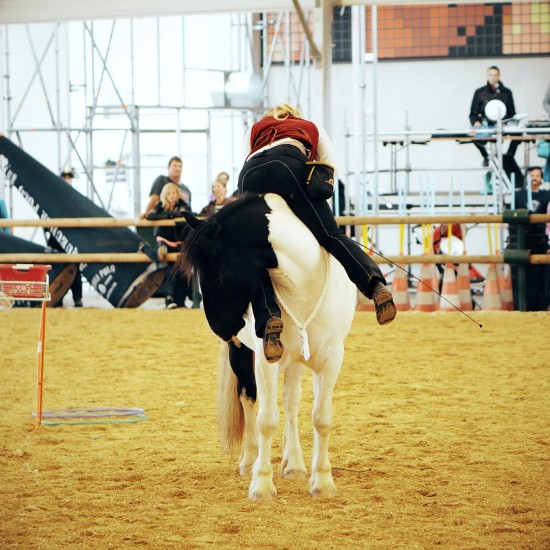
<point>231,251</point>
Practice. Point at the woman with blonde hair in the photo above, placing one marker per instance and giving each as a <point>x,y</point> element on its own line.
<point>277,148</point>
<point>169,238</point>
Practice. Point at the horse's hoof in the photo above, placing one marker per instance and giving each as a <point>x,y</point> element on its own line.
<point>256,495</point>
<point>295,474</point>
<point>323,492</point>
<point>322,486</point>
<point>261,489</point>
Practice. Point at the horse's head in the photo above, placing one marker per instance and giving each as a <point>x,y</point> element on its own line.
<point>230,251</point>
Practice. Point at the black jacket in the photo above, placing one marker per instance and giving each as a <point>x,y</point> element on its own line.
<point>485,94</point>
<point>172,233</point>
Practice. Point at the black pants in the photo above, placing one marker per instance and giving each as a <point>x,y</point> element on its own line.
<point>282,170</point>
<point>512,148</point>
<point>176,284</point>
<point>76,287</point>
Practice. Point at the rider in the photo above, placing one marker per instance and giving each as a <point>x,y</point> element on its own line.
<point>277,148</point>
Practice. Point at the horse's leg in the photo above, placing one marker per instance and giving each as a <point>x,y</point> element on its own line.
<point>292,465</point>
<point>249,451</point>
<point>267,374</point>
<point>321,483</point>
<point>241,359</point>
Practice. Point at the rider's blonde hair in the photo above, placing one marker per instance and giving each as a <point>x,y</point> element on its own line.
<point>164,193</point>
<point>284,110</point>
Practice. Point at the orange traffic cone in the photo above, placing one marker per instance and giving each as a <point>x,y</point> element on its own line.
<point>400,289</point>
<point>449,290</point>
<point>491,294</point>
<point>505,287</point>
<point>464,287</point>
<point>424,294</point>
<point>363,303</point>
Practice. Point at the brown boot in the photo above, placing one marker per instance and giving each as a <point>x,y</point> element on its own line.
<point>383,302</point>
<point>273,348</point>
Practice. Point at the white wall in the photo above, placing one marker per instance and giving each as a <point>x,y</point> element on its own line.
<point>434,94</point>
<point>437,95</point>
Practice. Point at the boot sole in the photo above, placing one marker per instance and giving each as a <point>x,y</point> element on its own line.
<point>273,348</point>
<point>385,308</point>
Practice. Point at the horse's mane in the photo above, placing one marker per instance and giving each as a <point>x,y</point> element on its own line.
<point>191,249</point>
<point>204,237</point>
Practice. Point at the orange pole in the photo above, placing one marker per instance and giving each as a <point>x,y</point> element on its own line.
<point>40,365</point>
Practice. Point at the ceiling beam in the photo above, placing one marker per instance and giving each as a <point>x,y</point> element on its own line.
<point>305,27</point>
<point>37,11</point>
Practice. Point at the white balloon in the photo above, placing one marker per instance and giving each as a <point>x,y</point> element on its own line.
<point>495,109</point>
<point>454,248</point>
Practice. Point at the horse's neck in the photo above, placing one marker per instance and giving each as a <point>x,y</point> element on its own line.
<point>300,272</point>
<point>301,261</point>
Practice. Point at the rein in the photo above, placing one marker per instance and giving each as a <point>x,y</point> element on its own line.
<point>303,326</point>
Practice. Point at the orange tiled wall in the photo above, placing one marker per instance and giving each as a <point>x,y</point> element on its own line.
<point>428,31</point>
<point>471,30</point>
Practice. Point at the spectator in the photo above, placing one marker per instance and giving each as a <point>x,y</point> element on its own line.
<point>536,201</point>
<point>76,286</point>
<point>537,280</point>
<point>175,168</point>
<point>546,105</point>
<point>219,192</point>
<point>223,177</point>
<point>169,206</point>
<point>546,100</point>
<point>494,89</point>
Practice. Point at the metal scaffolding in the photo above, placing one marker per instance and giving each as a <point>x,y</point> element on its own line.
<point>64,83</point>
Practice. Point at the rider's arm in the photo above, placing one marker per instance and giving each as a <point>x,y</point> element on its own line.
<point>246,145</point>
<point>325,151</point>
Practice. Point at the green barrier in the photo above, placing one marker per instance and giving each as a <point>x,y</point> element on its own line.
<point>517,217</point>
<point>520,257</point>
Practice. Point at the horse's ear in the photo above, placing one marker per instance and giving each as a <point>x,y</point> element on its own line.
<point>192,220</point>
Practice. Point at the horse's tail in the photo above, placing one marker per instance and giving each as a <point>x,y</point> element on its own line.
<point>230,410</point>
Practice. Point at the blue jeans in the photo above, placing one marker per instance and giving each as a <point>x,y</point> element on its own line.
<point>282,170</point>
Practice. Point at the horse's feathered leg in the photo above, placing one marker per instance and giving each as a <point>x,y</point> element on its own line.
<point>321,483</point>
<point>262,485</point>
<point>292,465</point>
<point>236,399</point>
<point>249,451</point>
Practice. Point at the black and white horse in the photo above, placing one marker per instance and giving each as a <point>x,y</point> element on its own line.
<point>231,251</point>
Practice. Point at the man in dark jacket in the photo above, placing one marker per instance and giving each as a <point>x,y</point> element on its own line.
<point>494,89</point>
<point>537,277</point>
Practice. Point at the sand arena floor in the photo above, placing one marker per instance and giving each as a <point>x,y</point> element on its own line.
<point>441,438</point>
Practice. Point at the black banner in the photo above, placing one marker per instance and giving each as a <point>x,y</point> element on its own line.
<point>123,284</point>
